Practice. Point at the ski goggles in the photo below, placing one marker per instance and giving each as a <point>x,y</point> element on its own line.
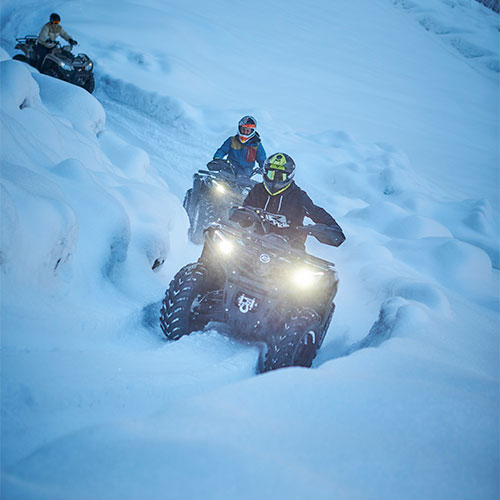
<point>55,22</point>
<point>276,175</point>
<point>247,130</point>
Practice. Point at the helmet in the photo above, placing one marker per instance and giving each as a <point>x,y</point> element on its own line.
<point>279,170</point>
<point>246,128</point>
<point>55,18</point>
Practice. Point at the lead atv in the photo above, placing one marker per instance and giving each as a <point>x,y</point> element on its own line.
<point>252,284</point>
<point>214,191</point>
<point>60,62</point>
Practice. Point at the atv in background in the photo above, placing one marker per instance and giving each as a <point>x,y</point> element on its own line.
<point>252,284</point>
<point>60,62</point>
<point>214,191</point>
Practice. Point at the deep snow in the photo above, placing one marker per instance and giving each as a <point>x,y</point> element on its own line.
<point>390,109</point>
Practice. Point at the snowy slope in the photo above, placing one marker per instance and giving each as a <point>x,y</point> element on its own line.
<point>390,109</point>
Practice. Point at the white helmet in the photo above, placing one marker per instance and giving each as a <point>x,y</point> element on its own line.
<point>246,128</point>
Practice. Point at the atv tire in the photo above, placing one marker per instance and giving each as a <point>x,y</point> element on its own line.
<point>203,214</point>
<point>176,315</point>
<point>295,346</point>
<point>20,57</point>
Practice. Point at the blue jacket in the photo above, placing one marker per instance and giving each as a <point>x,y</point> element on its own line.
<point>242,155</point>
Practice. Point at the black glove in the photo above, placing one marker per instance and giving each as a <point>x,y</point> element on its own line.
<point>240,216</point>
<point>72,42</point>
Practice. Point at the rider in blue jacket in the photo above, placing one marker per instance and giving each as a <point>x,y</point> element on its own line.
<point>244,148</point>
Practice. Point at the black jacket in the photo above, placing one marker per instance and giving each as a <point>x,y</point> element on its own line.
<point>290,207</point>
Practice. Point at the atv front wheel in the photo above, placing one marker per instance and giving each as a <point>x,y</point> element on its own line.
<point>176,315</point>
<point>296,345</point>
<point>20,57</point>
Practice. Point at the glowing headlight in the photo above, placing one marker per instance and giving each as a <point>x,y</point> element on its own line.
<point>88,66</point>
<point>219,188</point>
<point>65,66</point>
<point>305,277</point>
<point>224,245</point>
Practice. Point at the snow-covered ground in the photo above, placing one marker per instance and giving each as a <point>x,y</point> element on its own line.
<point>390,109</point>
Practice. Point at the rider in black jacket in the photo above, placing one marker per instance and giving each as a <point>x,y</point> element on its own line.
<point>287,203</point>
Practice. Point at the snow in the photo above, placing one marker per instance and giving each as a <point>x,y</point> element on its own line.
<point>390,109</point>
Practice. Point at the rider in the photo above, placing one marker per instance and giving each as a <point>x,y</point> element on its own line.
<point>244,148</point>
<point>286,203</point>
<point>48,36</point>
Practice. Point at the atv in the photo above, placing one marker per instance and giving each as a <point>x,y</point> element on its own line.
<point>253,285</point>
<point>214,191</point>
<point>60,62</point>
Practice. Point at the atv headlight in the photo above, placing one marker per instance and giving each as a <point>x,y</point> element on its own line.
<point>220,189</point>
<point>306,277</point>
<point>65,66</point>
<point>224,245</point>
<point>88,66</point>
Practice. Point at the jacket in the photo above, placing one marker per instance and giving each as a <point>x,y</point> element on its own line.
<point>243,155</point>
<point>49,33</point>
<point>290,208</point>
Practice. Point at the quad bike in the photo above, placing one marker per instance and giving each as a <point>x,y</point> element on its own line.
<point>60,62</point>
<point>253,285</point>
<point>214,191</point>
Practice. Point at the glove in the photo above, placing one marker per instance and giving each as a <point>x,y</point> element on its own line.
<point>72,42</point>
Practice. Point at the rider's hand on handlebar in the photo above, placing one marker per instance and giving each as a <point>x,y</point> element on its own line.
<point>72,42</point>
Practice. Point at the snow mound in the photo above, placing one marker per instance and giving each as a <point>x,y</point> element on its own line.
<point>473,39</point>
<point>18,89</point>
<point>455,264</point>
<point>84,198</point>
<point>132,161</point>
<point>39,217</point>
<point>72,103</point>
<point>163,109</point>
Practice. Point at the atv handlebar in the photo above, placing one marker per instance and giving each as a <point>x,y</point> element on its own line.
<point>218,164</point>
<point>246,216</point>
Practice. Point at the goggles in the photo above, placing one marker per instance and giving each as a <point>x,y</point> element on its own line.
<point>247,130</point>
<point>276,175</point>
<point>55,22</point>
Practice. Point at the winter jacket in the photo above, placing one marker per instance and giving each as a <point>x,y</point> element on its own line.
<point>289,209</point>
<point>49,33</point>
<point>243,155</point>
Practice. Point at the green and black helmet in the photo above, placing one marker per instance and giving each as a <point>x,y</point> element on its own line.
<point>279,170</point>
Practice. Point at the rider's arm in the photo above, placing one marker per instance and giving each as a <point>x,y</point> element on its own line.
<point>261,155</point>
<point>43,37</point>
<point>224,149</point>
<point>320,215</point>
<point>64,34</point>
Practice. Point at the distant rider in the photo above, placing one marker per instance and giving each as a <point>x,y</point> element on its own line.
<point>47,39</point>
<point>287,203</point>
<point>244,148</point>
